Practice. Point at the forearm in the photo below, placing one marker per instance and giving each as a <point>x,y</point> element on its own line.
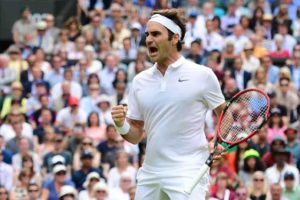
<point>135,133</point>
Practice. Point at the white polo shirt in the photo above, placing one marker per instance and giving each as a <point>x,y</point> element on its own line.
<point>173,108</point>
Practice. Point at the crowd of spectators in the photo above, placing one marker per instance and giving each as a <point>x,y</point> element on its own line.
<point>58,85</point>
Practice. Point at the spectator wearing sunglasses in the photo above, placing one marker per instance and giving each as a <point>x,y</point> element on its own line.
<point>291,190</point>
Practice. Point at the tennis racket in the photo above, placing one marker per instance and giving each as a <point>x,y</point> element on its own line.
<point>242,117</point>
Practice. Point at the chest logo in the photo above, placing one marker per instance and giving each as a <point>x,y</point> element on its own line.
<point>182,79</point>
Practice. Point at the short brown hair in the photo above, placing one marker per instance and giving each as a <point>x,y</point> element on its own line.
<point>174,15</point>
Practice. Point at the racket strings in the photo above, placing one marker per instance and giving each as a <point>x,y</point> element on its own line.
<point>243,116</point>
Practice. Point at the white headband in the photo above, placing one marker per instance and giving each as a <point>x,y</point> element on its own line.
<point>166,22</point>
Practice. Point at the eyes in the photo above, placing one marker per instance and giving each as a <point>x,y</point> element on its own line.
<point>153,33</point>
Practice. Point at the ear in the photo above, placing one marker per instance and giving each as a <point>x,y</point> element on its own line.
<point>175,39</point>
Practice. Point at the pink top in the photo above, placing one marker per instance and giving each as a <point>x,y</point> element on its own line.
<point>98,134</point>
<point>273,132</point>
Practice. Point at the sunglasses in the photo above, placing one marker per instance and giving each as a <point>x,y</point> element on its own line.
<point>58,141</point>
<point>32,190</point>
<point>241,194</point>
<point>61,173</point>
<point>87,144</point>
<point>101,191</point>
<point>258,179</point>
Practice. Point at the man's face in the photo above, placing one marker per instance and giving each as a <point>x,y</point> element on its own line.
<point>157,42</point>
<point>33,192</point>
<point>241,194</point>
<point>195,48</point>
<point>276,192</point>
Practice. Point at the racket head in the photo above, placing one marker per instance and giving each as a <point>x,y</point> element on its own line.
<point>243,116</point>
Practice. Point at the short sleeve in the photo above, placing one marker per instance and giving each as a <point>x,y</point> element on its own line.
<point>213,96</point>
<point>134,111</point>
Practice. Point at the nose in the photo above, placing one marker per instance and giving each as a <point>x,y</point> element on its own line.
<point>149,40</point>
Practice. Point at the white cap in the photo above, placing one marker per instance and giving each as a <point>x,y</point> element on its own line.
<point>89,48</point>
<point>136,25</point>
<point>58,159</point>
<point>89,177</point>
<point>103,98</point>
<point>59,168</point>
<point>67,189</point>
<point>41,25</point>
<point>100,186</point>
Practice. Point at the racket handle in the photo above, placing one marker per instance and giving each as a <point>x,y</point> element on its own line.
<point>192,184</point>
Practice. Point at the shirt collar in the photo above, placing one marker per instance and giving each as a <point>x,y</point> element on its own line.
<point>174,65</point>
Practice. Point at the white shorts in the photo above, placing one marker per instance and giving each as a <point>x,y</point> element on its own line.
<point>150,186</point>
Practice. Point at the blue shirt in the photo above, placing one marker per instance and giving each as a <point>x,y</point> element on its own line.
<point>273,74</point>
<point>53,194</point>
<point>80,176</point>
<point>295,150</point>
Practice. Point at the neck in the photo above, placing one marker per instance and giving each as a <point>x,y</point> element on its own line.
<point>163,66</point>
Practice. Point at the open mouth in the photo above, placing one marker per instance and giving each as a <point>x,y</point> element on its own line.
<point>152,50</point>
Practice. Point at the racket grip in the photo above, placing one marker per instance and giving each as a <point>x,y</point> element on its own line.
<point>192,184</point>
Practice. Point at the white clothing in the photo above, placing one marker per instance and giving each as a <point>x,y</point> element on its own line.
<point>239,42</point>
<point>274,176</point>
<point>173,108</point>
<point>213,41</point>
<point>17,162</point>
<point>95,67</point>
<point>84,195</point>
<point>166,188</point>
<point>76,90</point>
<point>8,132</point>
<point>68,119</point>
<point>6,176</point>
<point>118,194</point>
<point>251,64</point>
<point>114,176</point>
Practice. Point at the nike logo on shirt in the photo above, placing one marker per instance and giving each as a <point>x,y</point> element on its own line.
<point>182,80</point>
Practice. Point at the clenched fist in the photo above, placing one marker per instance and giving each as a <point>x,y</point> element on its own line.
<point>118,114</point>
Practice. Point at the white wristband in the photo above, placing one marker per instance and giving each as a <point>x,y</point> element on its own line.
<point>123,130</point>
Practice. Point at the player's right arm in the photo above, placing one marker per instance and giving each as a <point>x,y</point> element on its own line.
<point>135,132</point>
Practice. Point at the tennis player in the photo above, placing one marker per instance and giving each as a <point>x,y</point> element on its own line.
<point>169,101</point>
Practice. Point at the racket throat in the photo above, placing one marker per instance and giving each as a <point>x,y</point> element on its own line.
<point>209,160</point>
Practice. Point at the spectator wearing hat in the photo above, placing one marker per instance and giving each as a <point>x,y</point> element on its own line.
<point>258,187</point>
<point>68,193</point>
<point>293,143</point>
<point>136,35</point>
<point>42,40</point>
<point>16,61</point>
<point>93,65</point>
<point>250,62</point>
<point>52,187</point>
<point>57,156</point>
<point>268,28</point>
<point>69,116</point>
<point>79,176</point>
<point>15,95</point>
<point>7,74</point>
<point>291,190</point>
<point>103,104</point>
<point>101,191</point>
<point>23,27</point>
<point>252,163</point>
<point>7,174</point>
<point>194,30</point>
<point>275,173</point>
<point>91,180</point>
<point>276,125</point>
<point>278,143</point>
<point>274,104</point>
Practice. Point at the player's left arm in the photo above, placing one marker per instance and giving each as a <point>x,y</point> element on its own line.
<point>218,110</point>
